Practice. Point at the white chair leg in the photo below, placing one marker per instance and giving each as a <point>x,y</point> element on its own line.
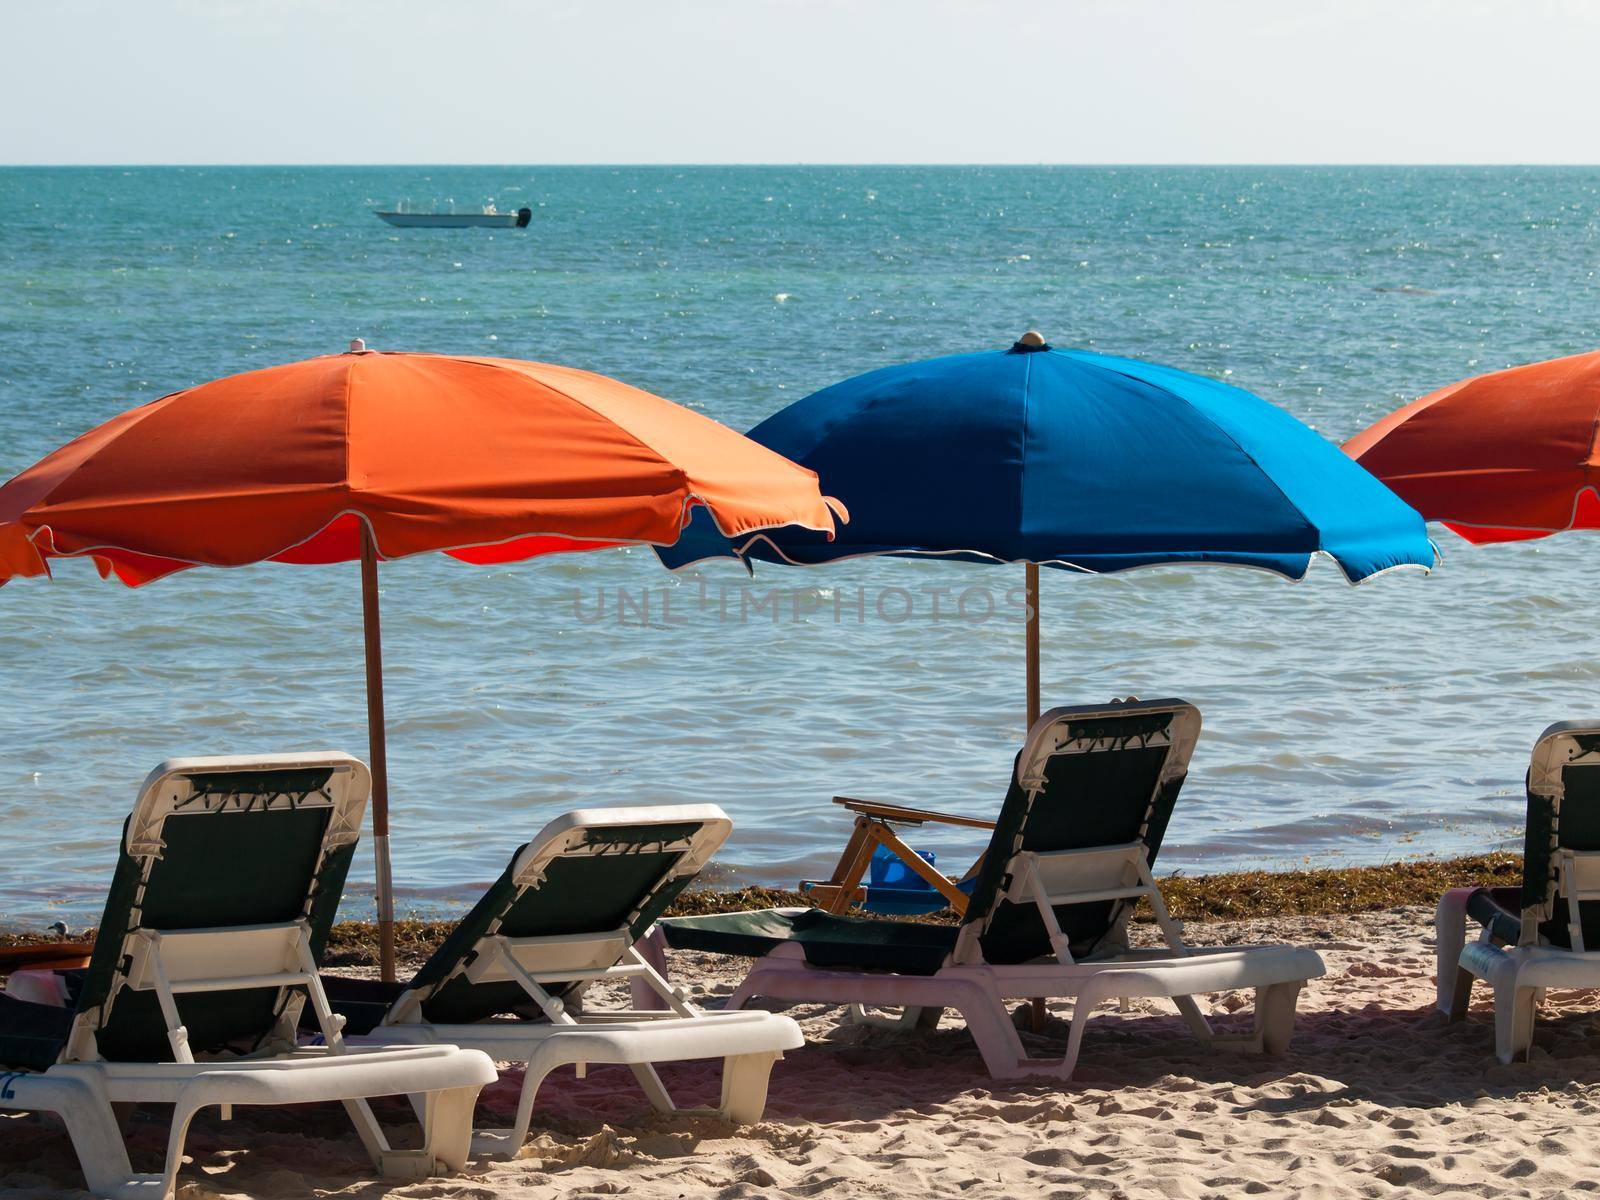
<point>1193,1017</point>
<point>87,1113</point>
<point>1275,1006</point>
<point>368,1130</point>
<point>652,947</point>
<point>182,1115</point>
<point>533,1076</point>
<point>504,1143</point>
<point>447,1126</point>
<point>980,1006</point>
<point>391,1163</point>
<point>745,1078</point>
<point>655,1091</point>
<point>990,1026</point>
<point>748,989</point>
<point>770,967</point>
<point>1513,1022</point>
<point>1452,986</point>
<point>911,1017</point>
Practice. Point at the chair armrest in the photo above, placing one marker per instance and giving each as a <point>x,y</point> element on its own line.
<point>900,814</point>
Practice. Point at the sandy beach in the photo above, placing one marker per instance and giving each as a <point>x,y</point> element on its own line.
<point>1377,1097</point>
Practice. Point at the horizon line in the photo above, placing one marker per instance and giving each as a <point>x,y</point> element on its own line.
<point>620,165</point>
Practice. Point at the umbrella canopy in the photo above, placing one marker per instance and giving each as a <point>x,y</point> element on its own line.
<point>1074,460</point>
<point>1077,460</point>
<point>489,460</point>
<point>1501,457</point>
<point>370,456</point>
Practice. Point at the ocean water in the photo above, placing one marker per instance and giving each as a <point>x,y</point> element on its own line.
<point>1342,724</point>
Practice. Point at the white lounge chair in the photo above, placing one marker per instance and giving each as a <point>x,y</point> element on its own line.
<point>1069,858</point>
<point>510,978</point>
<point>230,872</point>
<point>1540,935</point>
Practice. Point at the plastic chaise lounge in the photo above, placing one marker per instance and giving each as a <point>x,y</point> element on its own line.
<point>510,978</point>
<point>1069,858</point>
<point>229,875</point>
<point>1537,936</point>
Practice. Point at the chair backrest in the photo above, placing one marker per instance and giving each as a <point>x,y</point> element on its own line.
<point>1070,856</point>
<point>230,872</point>
<point>566,911</point>
<point>1561,850</point>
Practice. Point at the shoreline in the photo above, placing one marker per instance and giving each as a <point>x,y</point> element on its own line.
<point>1227,896</point>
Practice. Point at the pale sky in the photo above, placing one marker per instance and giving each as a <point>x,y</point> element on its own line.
<point>783,81</point>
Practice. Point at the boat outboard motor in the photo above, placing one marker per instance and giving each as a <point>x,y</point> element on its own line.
<point>524,215</point>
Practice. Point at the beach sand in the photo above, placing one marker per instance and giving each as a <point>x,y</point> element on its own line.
<point>1376,1097</point>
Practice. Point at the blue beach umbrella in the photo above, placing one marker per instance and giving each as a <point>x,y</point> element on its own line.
<point>1075,460</point>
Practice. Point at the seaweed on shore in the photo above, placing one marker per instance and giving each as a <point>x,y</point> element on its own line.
<point>1238,895</point>
<point>1333,890</point>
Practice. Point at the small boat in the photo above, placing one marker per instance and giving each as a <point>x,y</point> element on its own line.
<point>489,217</point>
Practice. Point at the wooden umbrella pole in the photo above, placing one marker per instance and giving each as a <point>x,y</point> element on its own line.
<point>1037,1012</point>
<point>377,752</point>
<point>1033,642</point>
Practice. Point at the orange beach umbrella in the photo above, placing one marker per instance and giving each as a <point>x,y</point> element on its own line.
<point>1501,457</point>
<point>372,456</point>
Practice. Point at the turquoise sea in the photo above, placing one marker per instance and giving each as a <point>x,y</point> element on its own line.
<point>1342,725</point>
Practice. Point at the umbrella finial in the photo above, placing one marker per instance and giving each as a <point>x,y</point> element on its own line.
<point>1030,341</point>
<point>357,346</point>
